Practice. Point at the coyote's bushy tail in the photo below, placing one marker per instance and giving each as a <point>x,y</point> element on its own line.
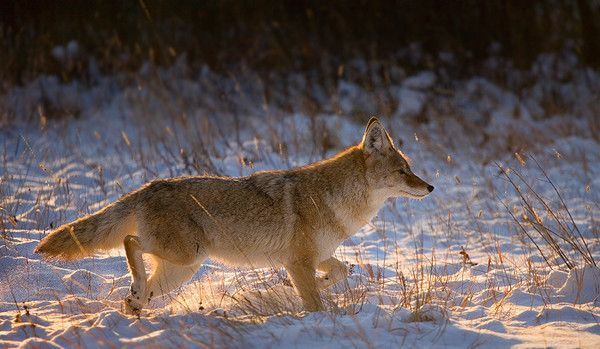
<point>102,230</point>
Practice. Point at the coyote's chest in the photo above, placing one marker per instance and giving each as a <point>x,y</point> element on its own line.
<point>348,220</point>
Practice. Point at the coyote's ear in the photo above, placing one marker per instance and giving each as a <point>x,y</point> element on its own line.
<point>376,138</point>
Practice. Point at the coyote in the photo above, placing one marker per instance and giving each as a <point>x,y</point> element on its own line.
<point>293,218</point>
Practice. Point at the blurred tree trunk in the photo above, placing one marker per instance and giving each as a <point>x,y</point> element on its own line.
<point>525,36</point>
<point>590,33</point>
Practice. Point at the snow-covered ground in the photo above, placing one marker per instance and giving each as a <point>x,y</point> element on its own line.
<point>452,270</point>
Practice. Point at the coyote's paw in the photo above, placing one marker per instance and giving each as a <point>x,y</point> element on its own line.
<point>133,306</point>
<point>135,301</point>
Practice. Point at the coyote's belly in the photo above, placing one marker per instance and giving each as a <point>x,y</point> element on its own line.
<point>258,247</point>
<point>252,258</point>
<point>269,238</point>
<point>256,235</point>
<point>271,250</point>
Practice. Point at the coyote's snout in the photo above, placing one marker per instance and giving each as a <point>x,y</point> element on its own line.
<point>294,218</point>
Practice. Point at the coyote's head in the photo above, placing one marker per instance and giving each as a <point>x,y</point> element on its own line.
<point>388,171</point>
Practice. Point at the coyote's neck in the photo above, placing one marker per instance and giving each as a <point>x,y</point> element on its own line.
<point>348,193</point>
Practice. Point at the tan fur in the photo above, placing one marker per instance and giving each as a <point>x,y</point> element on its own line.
<point>294,218</point>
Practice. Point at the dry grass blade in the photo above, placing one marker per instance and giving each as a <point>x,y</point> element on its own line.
<point>560,234</point>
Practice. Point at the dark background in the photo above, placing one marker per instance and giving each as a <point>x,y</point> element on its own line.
<point>287,35</point>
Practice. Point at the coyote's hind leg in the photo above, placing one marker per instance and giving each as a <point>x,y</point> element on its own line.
<point>136,299</point>
<point>167,276</point>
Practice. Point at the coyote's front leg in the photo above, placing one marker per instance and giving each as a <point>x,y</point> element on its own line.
<point>302,274</point>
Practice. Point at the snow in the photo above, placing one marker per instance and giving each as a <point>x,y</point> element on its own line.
<point>410,285</point>
<point>582,285</point>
